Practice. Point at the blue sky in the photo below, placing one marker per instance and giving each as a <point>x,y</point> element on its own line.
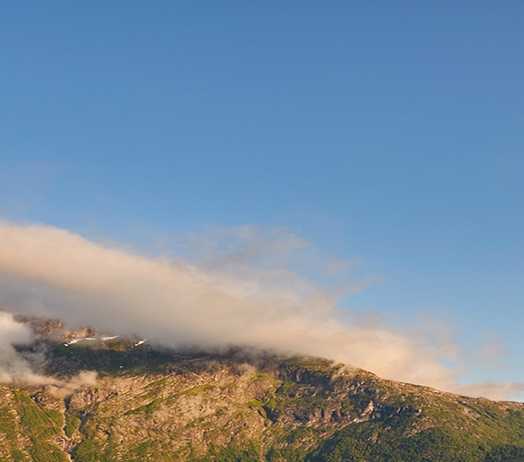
<point>390,133</point>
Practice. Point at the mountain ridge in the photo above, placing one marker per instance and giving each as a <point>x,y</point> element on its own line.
<point>189,404</point>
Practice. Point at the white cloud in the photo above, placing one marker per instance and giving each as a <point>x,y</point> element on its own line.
<point>14,368</point>
<point>241,293</point>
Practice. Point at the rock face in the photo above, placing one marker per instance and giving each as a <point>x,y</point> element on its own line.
<point>152,405</point>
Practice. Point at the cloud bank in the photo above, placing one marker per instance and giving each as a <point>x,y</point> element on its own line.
<point>13,367</point>
<point>237,296</point>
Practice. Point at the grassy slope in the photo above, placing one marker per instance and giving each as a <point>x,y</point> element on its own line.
<point>168,406</point>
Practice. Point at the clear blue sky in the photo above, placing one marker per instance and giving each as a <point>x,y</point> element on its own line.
<point>391,132</point>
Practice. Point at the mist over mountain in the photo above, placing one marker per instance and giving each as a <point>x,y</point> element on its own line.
<point>244,293</point>
<point>117,399</point>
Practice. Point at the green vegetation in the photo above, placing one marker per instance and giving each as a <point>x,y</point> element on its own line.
<point>71,425</point>
<point>8,423</point>
<point>86,452</point>
<point>234,452</point>
<point>46,452</point>
<point>18,456</point>
<point>148,408</point>
<point>37,423</point>
<point>390,440</point>
<point>167,406</point>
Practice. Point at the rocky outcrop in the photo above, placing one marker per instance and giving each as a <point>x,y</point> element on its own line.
<point>161,405</point>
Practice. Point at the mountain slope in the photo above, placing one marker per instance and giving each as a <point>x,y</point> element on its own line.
<point>160,405</point>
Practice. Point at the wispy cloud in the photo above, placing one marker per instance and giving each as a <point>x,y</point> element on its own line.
<point>241,289</point>
<point>14,368</point>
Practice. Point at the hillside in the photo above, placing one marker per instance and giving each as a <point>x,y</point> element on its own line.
<point>159,405</point>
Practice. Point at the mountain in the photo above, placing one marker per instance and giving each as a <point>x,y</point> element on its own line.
<point>151,404</point>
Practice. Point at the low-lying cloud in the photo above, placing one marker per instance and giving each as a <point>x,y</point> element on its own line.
<point>235,297</point>
<point>14,368</point>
